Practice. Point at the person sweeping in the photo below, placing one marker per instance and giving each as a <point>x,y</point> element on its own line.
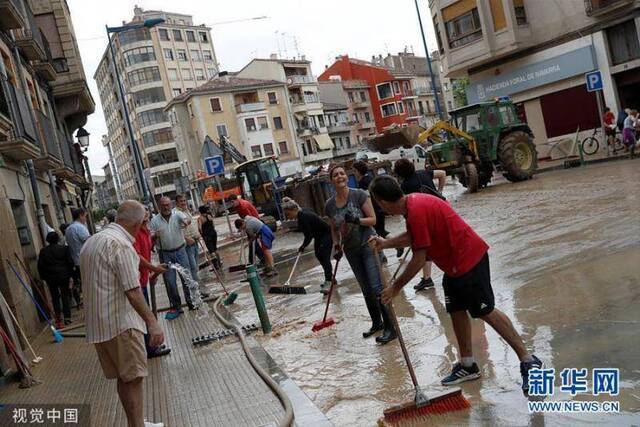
<point>260,234</point>
<point>352,221</point>
<point>313,228</point>
<point>436,231</point>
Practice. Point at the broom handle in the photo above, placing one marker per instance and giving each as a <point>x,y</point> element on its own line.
<point>394,319</point>
<point>294,268</point>
<point>18,325</point>
<point>35,285</point>
<point>30,294</point>
<point>333,282</point>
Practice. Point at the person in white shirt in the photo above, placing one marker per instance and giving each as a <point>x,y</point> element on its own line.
<point>115,309</point>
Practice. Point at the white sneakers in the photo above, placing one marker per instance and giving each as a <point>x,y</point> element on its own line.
<point>150,424</point>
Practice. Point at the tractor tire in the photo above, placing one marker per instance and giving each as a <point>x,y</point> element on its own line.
<point>471,177</point>
<point>518,156</point>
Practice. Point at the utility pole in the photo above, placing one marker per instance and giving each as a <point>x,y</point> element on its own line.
<point>426,51</point>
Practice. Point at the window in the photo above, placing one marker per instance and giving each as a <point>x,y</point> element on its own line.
<point>320,121</point>
<point>438,37</point>
<point>384,91</point>
<point>277,122</point>
<point>206,54</point>
<point>203,36</point>
<point>173,74</point>
<point>215,104</point>
<point>190,108</point>
<point>144,75</point>
<point>420,108</point>
<point>268,149</point>
<point>164,34</point>
<point>222,130</point>
<point>470,123</point>
<point>400,108</point>
<point>350,95</point>
<point>464,29</point>
<point>367,117</point>
<point>148,96</point>
<point>363,97</point>
<point>191,37</point>
<point>132,36</point>
<point>195,55</point>
<point>186,74</point>
<point>168,54</point>
<point>176,92</point>
<point>158,158</point>
<point>141,54</point>
<point>256,151</point>
<point>151,117</point>
<point>406,88</point>
<point>282,146</point>
<point>272,98</point>
<point>348,141</point>
<point>263,123</point>
<point>199,74</point>
<point>508,116</point>
<point>388,110</point>
<point>177,35</point>
<point>250,124</point>
<point>396,88</point>
<point>623,42</point>
<point>521,13</point>
<point>446,86</point>
<point>211,72</point>
<point>182,55</point>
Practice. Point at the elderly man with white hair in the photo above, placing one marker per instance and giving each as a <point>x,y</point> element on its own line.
<point>115,309</point>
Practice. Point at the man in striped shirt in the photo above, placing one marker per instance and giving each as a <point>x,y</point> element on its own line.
<point>115,308</point>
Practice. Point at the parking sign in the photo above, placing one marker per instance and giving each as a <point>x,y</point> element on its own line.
<point>214,165</point>
<point>594,81</point>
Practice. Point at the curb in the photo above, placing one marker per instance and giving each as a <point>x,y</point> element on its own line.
<point>587,162</point>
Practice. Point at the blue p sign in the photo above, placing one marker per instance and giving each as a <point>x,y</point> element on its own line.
<point>594,81</point>
<point>214,165</point>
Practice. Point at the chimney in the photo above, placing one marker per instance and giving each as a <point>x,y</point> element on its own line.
<point>224,75</point>
<point>273,56</point>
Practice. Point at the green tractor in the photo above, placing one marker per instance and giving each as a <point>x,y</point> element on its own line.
<point>480,139</point>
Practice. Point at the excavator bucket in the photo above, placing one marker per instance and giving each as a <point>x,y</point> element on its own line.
<point>405,137</point>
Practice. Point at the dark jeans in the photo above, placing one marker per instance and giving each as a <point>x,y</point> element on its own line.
<point>146,336</point>
<point>60,289</point>
<point>258,251</point>
<point>77,285</point>
<point>171,279</point>
<point>364,267</point>
<point>322,249</point>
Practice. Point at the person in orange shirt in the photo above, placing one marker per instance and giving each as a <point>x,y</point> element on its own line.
<point>609,120</point>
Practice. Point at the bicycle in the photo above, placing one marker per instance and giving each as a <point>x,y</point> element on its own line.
<point>591,144</point>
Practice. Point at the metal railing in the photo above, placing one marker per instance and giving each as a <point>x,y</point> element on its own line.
<point>33,31</point>
<point>23,126</point>
<point>4,103</point>
<point>65,150</point>
<point>48,134</point>
<point>250,106</point>
<point>299,79</point>
<point>596,6</point>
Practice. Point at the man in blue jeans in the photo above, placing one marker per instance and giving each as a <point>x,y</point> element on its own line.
<point>191,236</point>
<point>167,228</point>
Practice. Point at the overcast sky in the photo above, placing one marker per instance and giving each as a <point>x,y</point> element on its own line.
<point>319,30</point>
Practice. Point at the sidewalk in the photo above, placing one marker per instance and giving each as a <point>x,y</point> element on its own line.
<point>193,386</point>
<point>599,157</point>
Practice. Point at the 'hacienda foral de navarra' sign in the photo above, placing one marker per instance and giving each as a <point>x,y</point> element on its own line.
<point>550,70</point>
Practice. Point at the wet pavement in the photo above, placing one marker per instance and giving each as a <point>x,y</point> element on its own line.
<point>564,256</point>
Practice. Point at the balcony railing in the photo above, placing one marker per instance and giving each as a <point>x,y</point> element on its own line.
<point>24,126</point>
<point>248,107</point>
<point>300,79</point>
<point>49,136</point>
<point>29,39</point>
<point>4,103</point>
<point>11,14</point>
<point>65,150</point>
<point>45,67</point>
<point>595,7</point>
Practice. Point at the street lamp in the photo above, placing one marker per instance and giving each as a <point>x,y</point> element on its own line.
<point>83,138</point>
<point>143,185</point>
<point>81,147</point>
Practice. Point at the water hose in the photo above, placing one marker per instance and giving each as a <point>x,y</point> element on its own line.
<point>287,419</point>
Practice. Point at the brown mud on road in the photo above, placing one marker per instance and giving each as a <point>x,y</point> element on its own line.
<point>565,260</point>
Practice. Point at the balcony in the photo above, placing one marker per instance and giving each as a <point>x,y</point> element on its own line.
<point>339,127</point>
<point>45,68</point>
<point>409,94</point>
<point>307,131</point>
<point>601,7</point>
<point>249,107</point>
<point>29,38</point>
<point>21,142</point>
<point>360,104</point>
<point>6,125</point>
<point>366,125</point>
<point>52,158</point>
<point>355,84</point>
<point>296,80</point>
<point>65,170</point>
<point>11,16</point>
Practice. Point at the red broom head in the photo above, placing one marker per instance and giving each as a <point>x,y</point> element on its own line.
<point>438,405</point>
<point>321,325</point>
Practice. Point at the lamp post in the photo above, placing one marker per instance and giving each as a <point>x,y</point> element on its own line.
<point>83,144</point>
<point>426,51</point>
<point>143,185</point>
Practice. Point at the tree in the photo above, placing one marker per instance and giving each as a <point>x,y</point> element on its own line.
<point>460,91</point>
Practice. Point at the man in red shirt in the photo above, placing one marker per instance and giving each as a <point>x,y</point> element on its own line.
<point>143,245</point>
<point>243,207</point>
<point>436,232</point>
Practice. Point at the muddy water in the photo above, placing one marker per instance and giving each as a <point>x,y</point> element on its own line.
<point>565,254</point>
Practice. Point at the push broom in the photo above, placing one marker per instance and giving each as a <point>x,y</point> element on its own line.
<point>56,335</point>
<point>37,359</point>
<point>286,288</point>
<point>325,323</point>
<point>230,297</point>
<point>243,264</point>
<point>421,406</point>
